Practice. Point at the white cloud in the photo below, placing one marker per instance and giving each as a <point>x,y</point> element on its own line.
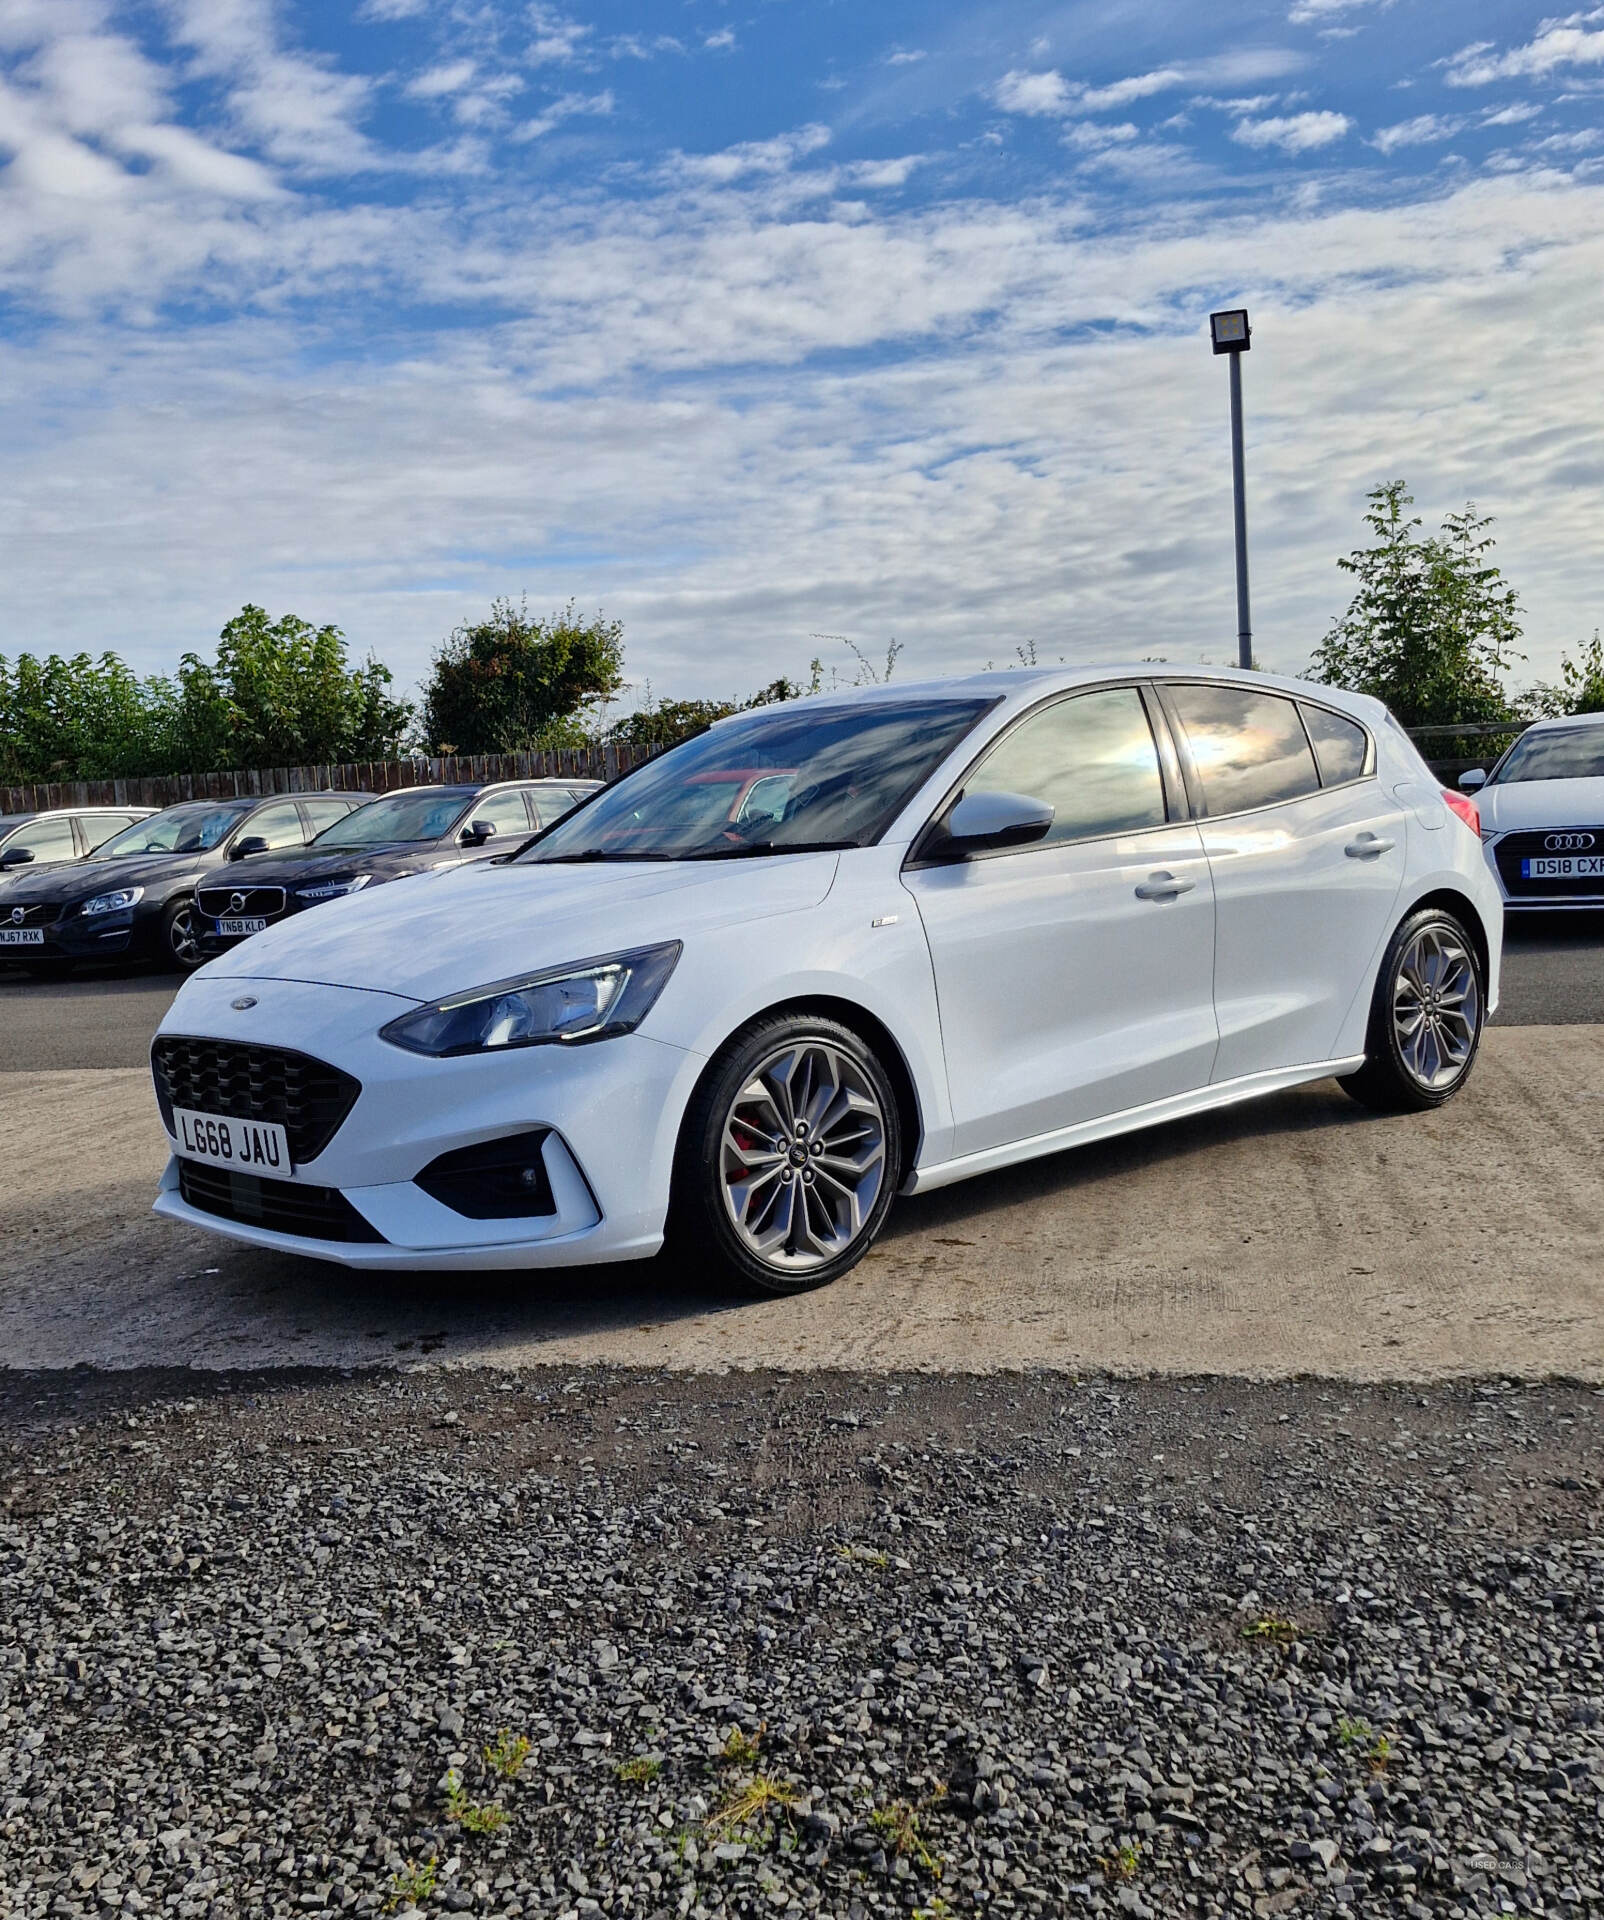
<point>451,77</point>
<point>564,108</point>
<point>1558,43</point>
<point>1093,135</point>
<point>557,38</point>
<point>720,41</point>
<point>1293,133</point>
<point>386,10</point>
<point>1048,93</point>
<point>1423,130</point>
<point>1513,115</point>
<point>883,173</point>
<point>1036,93</point>
<point>1318,13</point>
<point>906,57</point>
<point>775,156</point>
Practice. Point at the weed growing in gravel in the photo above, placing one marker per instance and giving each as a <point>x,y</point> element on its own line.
<point>937,1910</point>
<point>740,1749</point>
<point>506,1755</point>
<point>757,1803</point>
<point>865,1557</point>
<point>412,1884</point>
<point>1355,1733</point>
<point>898,1829</point>
<point>1122,1863</point>
<point>1271,1627</point>
<point>639,1772</point>
<point>473,1816</point>
<point>1381,1753</point>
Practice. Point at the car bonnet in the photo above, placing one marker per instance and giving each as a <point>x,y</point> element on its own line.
<point>463,926</point>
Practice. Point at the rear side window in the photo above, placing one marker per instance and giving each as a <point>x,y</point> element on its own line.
<point>324,813</point>
<point>506,812</point>
<point>280,826</point>
<point>1249,748</point>
<point>1341,746</point>
<point>1092,756</point>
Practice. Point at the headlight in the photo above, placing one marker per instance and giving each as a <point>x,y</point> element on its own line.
<point>590,1001</point>
<point>112,902</point>
<point>332,889</point>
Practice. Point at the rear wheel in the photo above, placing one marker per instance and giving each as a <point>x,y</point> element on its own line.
<point>789,1155</point>
<point>180,940</point>
<point>1426,1019</point>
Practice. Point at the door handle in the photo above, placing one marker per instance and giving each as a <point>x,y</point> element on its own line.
<point>1367,846</point>
<point>1163,886</point>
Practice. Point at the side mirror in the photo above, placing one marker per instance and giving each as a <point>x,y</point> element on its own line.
<point>242,849</point>
<point>477,832</point>
<point>1476,778</point>
<point>16,857</point>
<point>989,822</point>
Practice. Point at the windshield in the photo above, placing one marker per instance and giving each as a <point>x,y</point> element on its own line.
<point>400,816</point>
<point>193,828</point>
<point>783,780</point>
<point>1569,753</point>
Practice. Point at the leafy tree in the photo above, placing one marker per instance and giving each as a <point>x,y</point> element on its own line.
<point>80,718</point>
<point>510,682</point>
<point>664,723</point>
<point>280,695</point>
<point>1433,626</point>
<point>1580,688</point>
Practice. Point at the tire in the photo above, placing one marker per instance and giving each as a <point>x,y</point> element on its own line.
<point>179,945</point>
<point>1426,1018</point>
<point>806,1214</point>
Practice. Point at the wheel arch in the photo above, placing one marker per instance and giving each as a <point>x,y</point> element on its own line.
<point>1465,910</point>
<point>870,1029</point>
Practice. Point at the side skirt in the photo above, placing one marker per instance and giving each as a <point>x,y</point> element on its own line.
<point>1179,1106</point>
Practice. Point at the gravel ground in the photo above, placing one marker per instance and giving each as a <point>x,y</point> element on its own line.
<point>829,1644</point>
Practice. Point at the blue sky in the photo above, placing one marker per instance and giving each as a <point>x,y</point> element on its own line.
<point>757,322</point>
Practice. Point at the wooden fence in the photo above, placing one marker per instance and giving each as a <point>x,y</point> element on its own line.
<point>363,776</point>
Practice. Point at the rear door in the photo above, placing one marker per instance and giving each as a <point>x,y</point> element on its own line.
<point>1074,977</point>
<point>1306,848</point>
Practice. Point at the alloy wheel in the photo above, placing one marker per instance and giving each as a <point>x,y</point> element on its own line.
<point>1436,1007</point>
<point>181,938</point>
<point>802,1156</point>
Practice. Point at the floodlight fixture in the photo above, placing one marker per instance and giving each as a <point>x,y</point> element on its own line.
<point>1230,331</point>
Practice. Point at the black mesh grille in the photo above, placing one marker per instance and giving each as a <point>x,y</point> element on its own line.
<point>280,1206</point>
<point>308,1098</point>
<point>34,914</point>
<point>251,903</point>
<point>1516,847</point>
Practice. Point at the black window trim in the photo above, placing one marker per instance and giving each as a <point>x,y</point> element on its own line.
<point>1176,813</point>
<point>1194,784</point>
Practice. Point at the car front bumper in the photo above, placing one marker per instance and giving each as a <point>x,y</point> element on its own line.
<point>611,1110</point>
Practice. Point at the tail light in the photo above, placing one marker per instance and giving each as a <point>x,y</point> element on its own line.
<point>1465,807</point>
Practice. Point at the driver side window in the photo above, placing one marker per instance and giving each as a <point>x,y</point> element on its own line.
<point>1092,756</point>
<point>279,826</point>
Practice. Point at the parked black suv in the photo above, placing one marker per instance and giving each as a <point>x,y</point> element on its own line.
<point>135,896</point>
<point>405,832</point>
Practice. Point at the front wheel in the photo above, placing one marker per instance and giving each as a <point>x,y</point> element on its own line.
<point>1426,1018</point>
<point>180,942</point>
<point>789,1155</point>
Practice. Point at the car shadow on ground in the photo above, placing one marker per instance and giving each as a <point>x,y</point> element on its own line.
<point>393,1317</point>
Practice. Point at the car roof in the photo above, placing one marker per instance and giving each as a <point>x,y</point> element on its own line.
<point>8,820</point>
<point>1560,722</point>
<point>1022,685</point>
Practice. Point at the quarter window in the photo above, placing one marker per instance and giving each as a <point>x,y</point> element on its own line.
<point>1341,746</point>
<point>1091,756</point>
<point>1249,748</point>
<point>324,813</point>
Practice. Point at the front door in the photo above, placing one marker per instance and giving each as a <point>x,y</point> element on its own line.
<point>1074,977</point>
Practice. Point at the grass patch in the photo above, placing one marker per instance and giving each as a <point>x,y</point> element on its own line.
<point>412,1884</point>
<point>756,1803</point>
<point>897,1828</point>
<point>740,1749</point>
<point>505,1756</point>
<point>1271,1627</point>
<point>639,1772</point>
<point>473,1816</point>
<point>1123,1863</point>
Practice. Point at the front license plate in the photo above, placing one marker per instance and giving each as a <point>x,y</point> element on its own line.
<point>254,1146</point>
<point>234,928</point>
<point>22,936</point>
<point>1571,866</point>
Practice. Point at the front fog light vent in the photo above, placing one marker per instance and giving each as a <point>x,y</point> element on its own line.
<point>496,1180</point>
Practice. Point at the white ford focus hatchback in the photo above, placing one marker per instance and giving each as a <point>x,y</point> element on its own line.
<point>833,951</point>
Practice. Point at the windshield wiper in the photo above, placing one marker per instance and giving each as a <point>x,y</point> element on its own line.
<point>755,848</point>
<point>596,854</point>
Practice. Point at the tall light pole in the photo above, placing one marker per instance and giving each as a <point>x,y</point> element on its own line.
<point>1232,335</point>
